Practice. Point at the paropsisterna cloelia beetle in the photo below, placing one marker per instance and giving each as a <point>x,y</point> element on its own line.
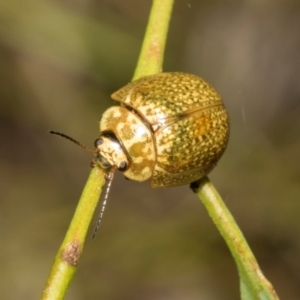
<point>171,128</point>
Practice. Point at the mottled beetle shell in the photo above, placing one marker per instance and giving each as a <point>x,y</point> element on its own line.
<point>174,124</point>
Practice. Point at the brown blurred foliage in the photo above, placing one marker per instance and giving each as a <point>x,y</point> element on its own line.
<point>59,62</point>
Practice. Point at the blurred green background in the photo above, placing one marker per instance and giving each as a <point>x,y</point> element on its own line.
<point>60,61</point>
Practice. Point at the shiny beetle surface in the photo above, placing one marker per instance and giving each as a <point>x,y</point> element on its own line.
<point>171,128</point>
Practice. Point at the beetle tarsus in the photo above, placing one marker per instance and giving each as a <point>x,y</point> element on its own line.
<point>93,163</point>
<point>194,186</point>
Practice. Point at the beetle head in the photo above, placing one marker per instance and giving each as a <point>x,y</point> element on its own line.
<point>110,153</point>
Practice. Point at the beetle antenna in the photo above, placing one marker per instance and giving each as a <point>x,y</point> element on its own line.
<point>109,179</point>
<point>72,140</point>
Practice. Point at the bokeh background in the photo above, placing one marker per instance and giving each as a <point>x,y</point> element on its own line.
<point>60,61</point>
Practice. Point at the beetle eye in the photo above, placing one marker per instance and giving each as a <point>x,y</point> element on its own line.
<point>98,142</point>
<point>123,166</point>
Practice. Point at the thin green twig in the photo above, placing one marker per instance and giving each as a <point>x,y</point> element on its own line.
<point>66,260</point>
<point>253,283</point>
<point>152,53</point>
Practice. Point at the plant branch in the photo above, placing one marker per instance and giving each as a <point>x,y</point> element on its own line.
<point>66,260</point>
<point>152,53</point>
<point>253,283</point>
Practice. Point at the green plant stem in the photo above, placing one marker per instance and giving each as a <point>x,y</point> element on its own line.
<point>152,53</point>
<point>66,260</point>
<point>253,283</point>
